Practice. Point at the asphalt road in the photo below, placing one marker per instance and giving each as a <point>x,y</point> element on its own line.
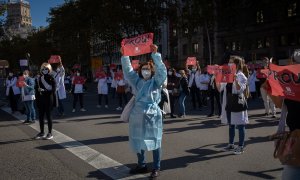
<point>192,148</point>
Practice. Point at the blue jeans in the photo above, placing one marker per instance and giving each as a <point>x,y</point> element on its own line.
<point>290,172</point>
<point>30,111</point>
<point>60,107</point>
<point>156,158</point>
<point>241,129</point>
<point>182,97</point>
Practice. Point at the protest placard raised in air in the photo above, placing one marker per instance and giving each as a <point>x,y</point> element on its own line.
<point>137,45</point>
<point>191,61</point>
<point>54,59</point>
<point>224,74</point>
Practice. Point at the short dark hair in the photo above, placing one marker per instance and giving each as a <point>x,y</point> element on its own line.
<point>150,63</point>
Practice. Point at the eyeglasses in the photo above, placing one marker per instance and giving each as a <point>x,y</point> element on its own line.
<point>145,69</point>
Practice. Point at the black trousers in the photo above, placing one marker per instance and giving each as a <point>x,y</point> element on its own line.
<point>13,101</point>
<point>76,97</point>
<point>203,97</point>
<point>122,96</point>
<point>215,94</point>
<point>100,99</point>
<point>173,99</point>
<point>45,106</point>
<point>195,93</point>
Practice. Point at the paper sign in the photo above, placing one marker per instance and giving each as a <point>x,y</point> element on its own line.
<point>262,73</point>
<point>23,62</point>
<point>213,69</point>
<point>225,73</point>
<point>137,45</point>
<point>285,81</point>
<point>20,82</point>
<point>118,75</point>
<point>191,61</point>
<point>135,64</point>
<point>54,59</point>
<point>79,80</point>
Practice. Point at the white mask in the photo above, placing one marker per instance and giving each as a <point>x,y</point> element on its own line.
<point>146,74</point>
<point>10,74</point>
<point>78,74</point>
<point>170,73</point>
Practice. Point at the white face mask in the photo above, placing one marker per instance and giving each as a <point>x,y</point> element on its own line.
<point>10,74</point>
<point>45,71</point>
<point>146,74</point>
<point>194,70</point>
<point>170,73</point>
<point>78,74</point>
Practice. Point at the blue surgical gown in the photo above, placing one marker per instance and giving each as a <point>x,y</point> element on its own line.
<point>145,120</point>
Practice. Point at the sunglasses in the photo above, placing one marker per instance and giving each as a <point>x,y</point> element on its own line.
<point>44,69</point>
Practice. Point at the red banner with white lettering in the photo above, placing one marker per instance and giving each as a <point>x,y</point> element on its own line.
<point>54,59</point>
<point>191,61</point>
<point>135,64</point>
<point>285,81</point>
<point>137,45</point>
<point>20,82</point>
<point>79,80</point>
<point>118,75</point>
<point>225,74</point>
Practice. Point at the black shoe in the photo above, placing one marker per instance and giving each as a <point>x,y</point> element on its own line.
<point>210,115</point>
<point>139,170</point>
<point>26,122</point>
<point>40,136</point>
<point>172,116</point>
<point>155,173</point>
<point>32,121</point>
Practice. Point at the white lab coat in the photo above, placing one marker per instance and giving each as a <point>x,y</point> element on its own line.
<point>60,83</point>
<point>102,86</point>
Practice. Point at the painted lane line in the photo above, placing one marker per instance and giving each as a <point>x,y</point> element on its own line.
<point>103,163</point>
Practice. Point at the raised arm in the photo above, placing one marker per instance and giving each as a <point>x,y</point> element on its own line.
<point>130,75</point>
<point>160,69</point>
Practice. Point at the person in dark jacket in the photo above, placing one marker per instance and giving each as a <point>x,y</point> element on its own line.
<point>214,94</point>
<point>45,88</point>
<point>173,88</point>
<point>184,91</point>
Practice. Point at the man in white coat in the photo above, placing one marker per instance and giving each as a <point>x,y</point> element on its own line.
<point>194,84</point>
<point>12,91</point>
<point>59,76</point>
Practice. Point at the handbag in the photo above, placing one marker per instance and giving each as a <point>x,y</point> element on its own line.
<point>127,109</point>
<point>287,144</point>
<point>236,103</point>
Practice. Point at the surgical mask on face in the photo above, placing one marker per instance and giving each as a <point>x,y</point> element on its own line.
<point>194,70</point>
<point>146,74</point>
<point>10,74</point>
<point>78,74</point>
<point>45,71</point>
<point>170,73</point>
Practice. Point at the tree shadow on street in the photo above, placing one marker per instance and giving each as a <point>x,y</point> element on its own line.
<point>262,174</point>
<point>16,141</point>
<point>195,126</point>
<point>262,123</point>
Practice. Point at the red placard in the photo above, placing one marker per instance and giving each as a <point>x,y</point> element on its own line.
<point>213,69</point>
<point>135,64</point>
<point>262,73</point>
<point>226,74</point>
<point>54,59</point>
<point>191,61</point>
<point>137,45</point>
<point>100,74</point>
<point>118,75</point>
<point>285,81</point>
<point>79,80</point>
<point>113,66</point>
<point>20,82</point>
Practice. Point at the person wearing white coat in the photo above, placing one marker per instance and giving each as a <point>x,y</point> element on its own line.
<point>251,83</point>
<point>59,76</point>
<point>102,91</point>
<point>12,92</point>
<point>235,119</point>
<point>194,85</point>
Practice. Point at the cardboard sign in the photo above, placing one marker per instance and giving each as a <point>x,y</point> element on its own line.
<point>137,45</point>
<point>20,82</point>
<point>262,73</point>
<point>79,80</point>
<point>23,62</point>
<point>191,61</point>
<point>54,59</point>
<point>118,76</point>
<point>285,81</point>
<point>213,69</point>
<point>225,73</point>
<point>135,64</point>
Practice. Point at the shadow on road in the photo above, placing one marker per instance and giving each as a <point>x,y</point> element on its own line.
<point>261,174</point>
<point>16,141</point>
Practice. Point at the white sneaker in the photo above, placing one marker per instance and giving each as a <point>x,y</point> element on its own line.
<point>98,106</point>
<point>106,106</point>
<point>82,110</point>
<point>239,150</point>
<point>73,110</point>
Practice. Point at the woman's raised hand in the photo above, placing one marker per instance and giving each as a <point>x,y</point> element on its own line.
<point>153,48</point>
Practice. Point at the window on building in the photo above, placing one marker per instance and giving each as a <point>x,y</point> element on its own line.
<point>184,49</point>
<point>283,40</point>
<point>186,31</point>
<point>292,9</point>
<point>259,16</point>
<point>233,46</point>
<point>260,44</point>
<point>174,32</point>
<point>267,42</point>
<point>196,48</point>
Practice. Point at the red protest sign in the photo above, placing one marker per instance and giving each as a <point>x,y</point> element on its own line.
<point>20,82</point>
<point>212,69</point>
<point>285,81</point>
<point>137,45</point>
<point>54,59</point>
<point>79,80</point>
<point>135,64</point>
<point>113,66</point>
<point>225,73</point>
<point>100,74</point>
<point>262,73</point>
<point>118,76</point>
<point>191,61</point>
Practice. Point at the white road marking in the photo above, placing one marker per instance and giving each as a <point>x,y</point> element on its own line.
<point>96,159</point>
